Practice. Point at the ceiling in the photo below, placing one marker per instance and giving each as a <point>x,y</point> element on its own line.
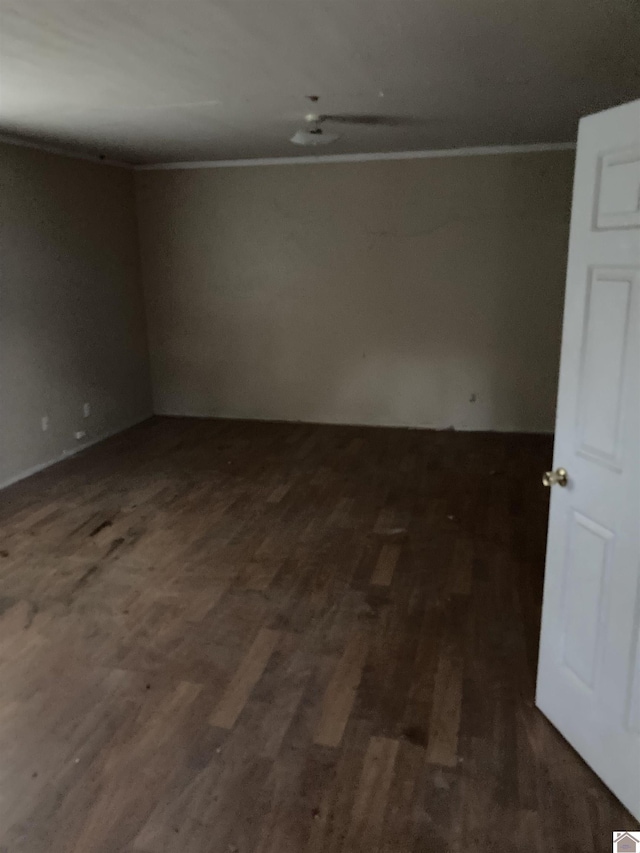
<point>147,81</point>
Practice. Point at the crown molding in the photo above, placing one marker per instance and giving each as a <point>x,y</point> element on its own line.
<point>478,151</point>
<point>62,152</point>
<point>361,158</point>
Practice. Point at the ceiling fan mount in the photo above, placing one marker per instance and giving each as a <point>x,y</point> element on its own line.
<point>312,133</point>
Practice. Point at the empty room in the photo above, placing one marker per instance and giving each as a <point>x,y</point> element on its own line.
<point>319,426</point>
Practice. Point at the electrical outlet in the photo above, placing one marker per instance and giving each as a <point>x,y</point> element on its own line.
<point>86,410</point>
<point>80,434</point>
<point>44,422</point>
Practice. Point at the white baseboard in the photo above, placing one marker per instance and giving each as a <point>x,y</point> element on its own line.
<point>66,454</point>
<point>382,425</point>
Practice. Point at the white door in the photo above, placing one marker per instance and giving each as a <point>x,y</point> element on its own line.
<point>589,668</point>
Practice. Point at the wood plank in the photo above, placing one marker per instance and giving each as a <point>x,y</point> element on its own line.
<point>278,493</point>
<point>367,816</point>
<point>258,574</point>
<point>445,713</point>
<point>341,691</point>
<point>245,679</point>
<point>385,565</point>
<point>462,568</point>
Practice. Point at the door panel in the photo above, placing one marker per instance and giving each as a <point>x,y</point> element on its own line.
<point>602,366</point>
<point>585,591</point>
<point>618,189</point>
<point>588,679</point>
<point>633,717</point>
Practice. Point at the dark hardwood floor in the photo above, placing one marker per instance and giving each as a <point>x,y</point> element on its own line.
<point>240,637</point>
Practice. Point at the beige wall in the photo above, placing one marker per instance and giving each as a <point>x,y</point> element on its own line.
<point>72,326</point>
<point>418,292</point>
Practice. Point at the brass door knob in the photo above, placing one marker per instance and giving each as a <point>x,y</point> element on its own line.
<point>559,476</point>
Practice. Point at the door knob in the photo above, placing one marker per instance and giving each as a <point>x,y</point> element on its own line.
<point>559,476</point>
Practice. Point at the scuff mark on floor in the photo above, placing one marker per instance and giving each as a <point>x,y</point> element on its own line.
<point>31,615</point>
<point>82,581</point>
<point>114,545</point>
<point>101,527</point>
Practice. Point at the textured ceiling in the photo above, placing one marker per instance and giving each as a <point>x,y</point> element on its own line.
<point>163,80</point>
